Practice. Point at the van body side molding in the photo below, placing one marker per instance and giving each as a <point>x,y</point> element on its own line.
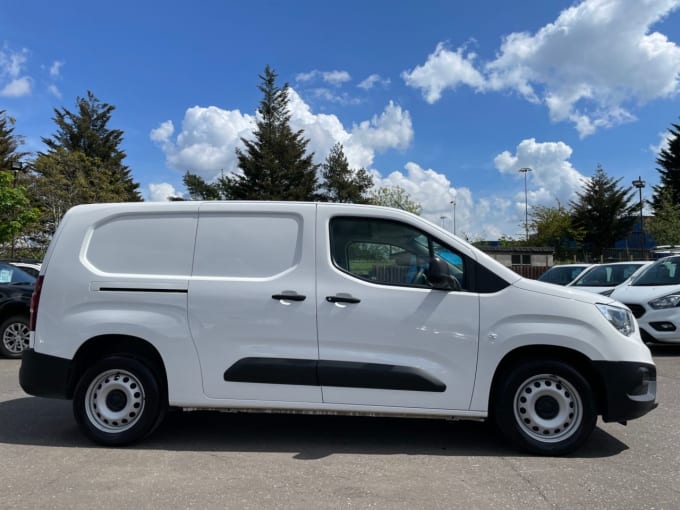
<point>140,289</point>
<point>343,374</point>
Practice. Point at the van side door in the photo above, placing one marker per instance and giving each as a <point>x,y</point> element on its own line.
<point>252,301</point>
<point>386,336</point>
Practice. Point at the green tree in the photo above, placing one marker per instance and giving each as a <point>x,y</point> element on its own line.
<point>341,183</point>
<point>669,169</point>
<point>664,226</point>
<point>9,143</point>
<point>397,197</point>
<point>553,226</point>
<point>274,164</point>
<point>15,211</point>
<point>603,211</point>
<point>86,131</point>
<point>199,189</point>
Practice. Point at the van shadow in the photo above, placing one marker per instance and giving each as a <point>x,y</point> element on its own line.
<point>46,422</point>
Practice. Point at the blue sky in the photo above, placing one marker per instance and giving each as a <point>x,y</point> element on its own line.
<point>446,99</point>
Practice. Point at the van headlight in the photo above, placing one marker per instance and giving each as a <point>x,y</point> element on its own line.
<point>621,318</point>
<point>670,301</point>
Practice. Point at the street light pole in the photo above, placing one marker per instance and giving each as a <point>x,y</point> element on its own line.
<point>525,170</point>
<point>442,218</point>
<point>639,184</point>
<point>453,203</point>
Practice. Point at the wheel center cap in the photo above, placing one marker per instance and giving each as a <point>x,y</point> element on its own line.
<point>547,407</point>
<point>116,400</point>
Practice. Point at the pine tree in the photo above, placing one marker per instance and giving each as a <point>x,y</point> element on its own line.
<point>274,164</point>
<point>604,212</point>
<point>9,143</point>
<point>669,169</point>
<point>342,184</point>
<point>86,132</point>
<point>665,225</point>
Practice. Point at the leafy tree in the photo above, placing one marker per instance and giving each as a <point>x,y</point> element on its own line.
<point>397,197</point>
<point>86,132</point>
<point>665,225</point>
<point>603,211</point>
<point>199,189</point>
<point>15,211</point>
<point>553,226</point>
<point>274,163</point>
<point>669,169</point>
<point>342,184</point>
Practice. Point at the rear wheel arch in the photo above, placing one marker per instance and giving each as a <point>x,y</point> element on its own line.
<point>104,346</point>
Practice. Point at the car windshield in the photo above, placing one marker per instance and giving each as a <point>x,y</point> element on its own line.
<point>662,272</point>
<point>561,275</point>
<point>14,276</point>
<point>607,275</point>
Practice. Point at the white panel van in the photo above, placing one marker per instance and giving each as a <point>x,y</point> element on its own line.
<point>324,308</point>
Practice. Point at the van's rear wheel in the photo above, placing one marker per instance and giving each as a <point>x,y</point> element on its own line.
<point>546,407</point>
<point>118,401</point>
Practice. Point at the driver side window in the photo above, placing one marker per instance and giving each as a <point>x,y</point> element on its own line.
<point>387,252</point>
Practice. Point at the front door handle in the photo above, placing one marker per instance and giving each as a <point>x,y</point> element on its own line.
<point>290,297</point>
<point>342,299</point>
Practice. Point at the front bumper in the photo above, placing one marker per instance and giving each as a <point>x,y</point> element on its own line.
<point>629,389</point>
<point>43,375</point>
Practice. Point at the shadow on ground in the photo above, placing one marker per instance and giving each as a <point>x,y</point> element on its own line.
<point>45,422</point>
<point>663,350</point>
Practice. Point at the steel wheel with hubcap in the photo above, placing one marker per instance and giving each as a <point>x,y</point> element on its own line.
<point>118,401</point>
<point>546,407</point>
<point>15,336</point>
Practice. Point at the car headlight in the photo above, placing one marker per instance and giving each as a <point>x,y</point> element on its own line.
<point>670,301</point>
<point>621,318</point>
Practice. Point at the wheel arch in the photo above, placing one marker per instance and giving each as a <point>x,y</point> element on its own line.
<point>102,346</point>
<point>549,353</point>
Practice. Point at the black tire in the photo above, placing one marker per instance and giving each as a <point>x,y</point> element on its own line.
<point>118,401</point>
<point>14,335</point>
<point>545,407</point>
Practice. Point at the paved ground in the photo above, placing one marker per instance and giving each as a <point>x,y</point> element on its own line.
<point>213,460</point>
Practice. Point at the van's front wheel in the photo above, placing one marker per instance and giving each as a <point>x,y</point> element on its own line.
<point>118,401</point>
<point>546,407</point>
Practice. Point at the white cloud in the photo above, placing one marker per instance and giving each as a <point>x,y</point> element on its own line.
<point>160,192</point>
<point>54,90</point>
<point>664,143</point>
<point>372,81</point>
<point>55,69</point>
<point>17,88</point>
<point>334,78</point>
<point>444,69</point>
<point>210,135</point>
<point>589,66</point>
<point>11,68</point>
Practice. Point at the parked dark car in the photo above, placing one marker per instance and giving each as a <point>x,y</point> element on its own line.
<point>16,288</point>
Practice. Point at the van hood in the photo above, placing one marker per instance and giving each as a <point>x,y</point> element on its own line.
<point>550,289</point>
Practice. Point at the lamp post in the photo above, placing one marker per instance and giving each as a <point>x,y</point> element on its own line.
<point>17,167</point>
<point>442,218</point>
<point>453,203</point>
<point>525,170</point>
<point>639,184</point>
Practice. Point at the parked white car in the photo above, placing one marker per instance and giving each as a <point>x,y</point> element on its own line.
<point>563,274</point>
<point>654,298</point>
<point>318,308</point>
<point>32,268</point>
<point>602,278</point>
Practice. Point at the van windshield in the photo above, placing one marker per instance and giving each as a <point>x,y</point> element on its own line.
<point>663,272</point>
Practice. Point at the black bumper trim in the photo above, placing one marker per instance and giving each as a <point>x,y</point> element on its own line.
<point>630,389</point>
<point>43,375</point>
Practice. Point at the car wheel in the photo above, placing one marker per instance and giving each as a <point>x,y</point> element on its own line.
<point>118,401</point>
<point>15,334</point>
<point>545,407</point>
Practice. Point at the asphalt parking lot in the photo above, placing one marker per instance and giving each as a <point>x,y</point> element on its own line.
<point>215,460</point>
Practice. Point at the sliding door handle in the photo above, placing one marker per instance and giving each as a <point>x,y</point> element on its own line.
<point>289,297</point>
<point>342,299</point>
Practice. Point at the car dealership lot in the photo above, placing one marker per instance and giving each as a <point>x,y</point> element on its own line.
<point>213,460</point>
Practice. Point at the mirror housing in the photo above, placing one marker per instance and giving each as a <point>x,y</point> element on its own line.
<point>439,276</point>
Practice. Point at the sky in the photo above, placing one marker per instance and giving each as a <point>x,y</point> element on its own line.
<point>446,99</point>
